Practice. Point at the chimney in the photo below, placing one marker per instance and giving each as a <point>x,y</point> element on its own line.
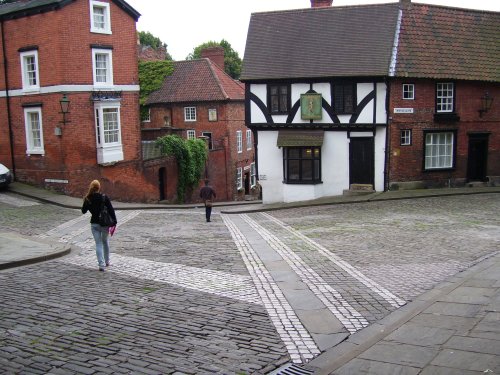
<point>404,4</point>
<point>215,54</point>
<point>321,3</point>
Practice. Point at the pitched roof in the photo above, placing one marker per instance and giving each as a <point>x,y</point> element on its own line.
<point>25,8</point>
<point>320,42</point>
<point>197,81</point>
<point>452,43</point>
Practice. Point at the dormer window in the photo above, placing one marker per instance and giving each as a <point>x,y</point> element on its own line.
<point>100,19</point>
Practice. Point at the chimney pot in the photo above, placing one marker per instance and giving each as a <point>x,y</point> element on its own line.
<point>321,3</point>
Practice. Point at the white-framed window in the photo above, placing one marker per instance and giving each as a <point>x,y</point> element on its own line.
<point>191,134</point>
<point>239,141</point>
<point>108,132</point>
<point>444,97</point>
<point>408,91</point>
<point>406,137</point>
<point>29,70</point>
<point>102,64</point>
<point>253,175</point>
<point>189,113</point>
<point>100,19</point>
<point>239,178</point>
<point>34,131</point>
<point>439,148</point>
<point>249,139</point>
<point>212,114</point>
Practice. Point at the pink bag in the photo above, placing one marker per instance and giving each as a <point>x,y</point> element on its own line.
<point>111,230</point>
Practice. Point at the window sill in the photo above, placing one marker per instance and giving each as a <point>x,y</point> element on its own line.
<point>446,169</point>
<point>302,182</point>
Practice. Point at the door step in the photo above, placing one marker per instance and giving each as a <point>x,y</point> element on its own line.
<point>359,189</point>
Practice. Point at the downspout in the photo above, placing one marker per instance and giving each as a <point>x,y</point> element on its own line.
<point>392,73</point>
<point>7,98</point>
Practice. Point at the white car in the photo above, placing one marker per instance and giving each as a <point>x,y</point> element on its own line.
<point>6,176</point>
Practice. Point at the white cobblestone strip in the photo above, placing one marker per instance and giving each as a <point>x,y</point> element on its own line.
<point>222,284</point>
<point>391,298</point>
<point>64,226</point>
<point>297,339</point>
<point>16,202</point>
<point>82,225</point>
<point>350,318</point>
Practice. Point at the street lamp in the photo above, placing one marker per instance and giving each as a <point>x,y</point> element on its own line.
<point>486,101</point>
<point>64,107</point>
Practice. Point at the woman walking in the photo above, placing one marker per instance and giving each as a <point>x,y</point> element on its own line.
<point>93,202</point>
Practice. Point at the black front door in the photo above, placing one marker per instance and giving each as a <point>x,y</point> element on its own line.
<point>361,160</point>
<point>478,157</point>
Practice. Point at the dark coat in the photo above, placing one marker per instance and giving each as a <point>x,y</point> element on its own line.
<point>94,206</point>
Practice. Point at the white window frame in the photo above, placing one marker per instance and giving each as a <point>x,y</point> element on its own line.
<point>31,147</point>
<point>239,141</point>
<point>189,114</point>
<point>445,97</point>
<point>408,91</point>
<point>239,178</point>
<point>405,137</point>
<point>191,134</point>
<point>212,114</point>
<point>109,68</point>
<point>436,142</point>
<point>253,175</point>
<point>108,152</point>
<point>107,17</point>
<point>27,85</point>
<point>249,139</point>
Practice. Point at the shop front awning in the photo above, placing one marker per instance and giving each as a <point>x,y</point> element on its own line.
<point>300,138</point>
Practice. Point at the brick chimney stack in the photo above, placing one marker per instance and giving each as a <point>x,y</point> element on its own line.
<point>321,3</point>
<point>215,54</point>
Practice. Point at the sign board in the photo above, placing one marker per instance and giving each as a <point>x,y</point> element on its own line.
<point>403,110</point>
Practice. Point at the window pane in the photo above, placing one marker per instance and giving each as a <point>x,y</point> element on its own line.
<point>293,152</point>
<point>99,22</point>
<point>101,67</point>
<point>348,99</point>
<point>307,172</point>
<point>317,170</point>
<point>31,70</point>
<point>293,170</point>
<point>110,119</point>
<point>307,153</point>
<point>36,135</point>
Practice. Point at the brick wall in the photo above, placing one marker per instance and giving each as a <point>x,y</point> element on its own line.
<point>64,43</point>
<point>406,162</point>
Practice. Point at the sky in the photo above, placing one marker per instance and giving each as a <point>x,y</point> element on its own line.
<point>185,24</point>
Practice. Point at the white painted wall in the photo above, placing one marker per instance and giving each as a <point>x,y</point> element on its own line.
<point>366,116</point>
<point>381,112</point>
<point>380,158</point>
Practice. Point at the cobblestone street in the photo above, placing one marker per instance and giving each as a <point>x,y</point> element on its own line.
<point>243,294</point>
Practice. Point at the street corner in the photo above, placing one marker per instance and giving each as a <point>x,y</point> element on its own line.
<point>18,250</point>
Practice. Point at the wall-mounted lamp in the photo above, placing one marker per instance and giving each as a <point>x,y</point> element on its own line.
<point>64,108</point>
<point>486,101</point>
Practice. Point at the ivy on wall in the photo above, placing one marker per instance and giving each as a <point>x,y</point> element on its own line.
<point>151,77</point>
<point>191,156</point>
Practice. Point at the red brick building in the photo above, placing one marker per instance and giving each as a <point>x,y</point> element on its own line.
<point>200,100</point>
<point>84,51</point>
<point>444,113</point>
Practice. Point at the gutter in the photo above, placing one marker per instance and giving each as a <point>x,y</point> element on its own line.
<point>7,98</point>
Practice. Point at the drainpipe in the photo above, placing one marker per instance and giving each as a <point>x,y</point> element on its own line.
<point>9,117</point>
<point>388,135</point>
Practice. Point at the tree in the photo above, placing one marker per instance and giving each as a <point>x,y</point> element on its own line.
<point>232,61</point>
<point>148,39</point>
